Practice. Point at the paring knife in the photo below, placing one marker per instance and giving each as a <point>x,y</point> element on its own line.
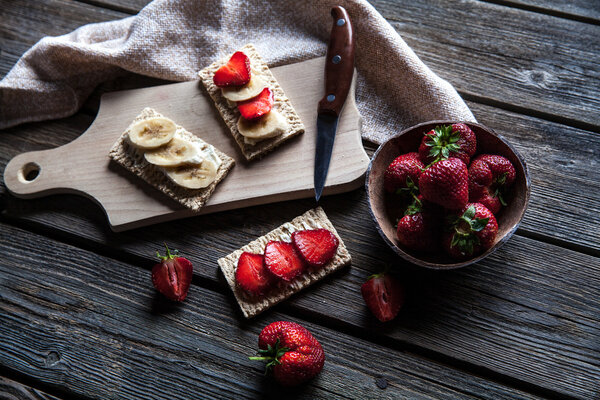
<point>339,68</point>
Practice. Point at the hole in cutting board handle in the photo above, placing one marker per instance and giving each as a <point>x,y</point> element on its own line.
<point>29,172</point>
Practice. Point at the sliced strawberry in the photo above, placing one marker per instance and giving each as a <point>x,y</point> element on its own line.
<point>172,276</point>
<point>257,106</point>
<point>316,247</point>
<point>235,73</point>
<point>252,275</point>
<point>384,295</point>
<point>282,260</point>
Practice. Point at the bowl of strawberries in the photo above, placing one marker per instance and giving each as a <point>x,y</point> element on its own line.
<point>446,194</point>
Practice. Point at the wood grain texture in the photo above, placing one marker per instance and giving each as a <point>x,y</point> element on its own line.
<point>12,390</point>
<point>83,166</point>
<point>78,323</point>
<point>505,313</point>
<point>581,10</point>
<point>25,22</point>
<point>553,152</point>
<point>529,60</point>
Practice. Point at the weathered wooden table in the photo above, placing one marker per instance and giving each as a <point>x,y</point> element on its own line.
<point>79,317</point>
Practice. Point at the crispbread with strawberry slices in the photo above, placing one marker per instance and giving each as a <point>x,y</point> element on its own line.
<point>253,305</point>
<point>126,155</point>
<point>230,113</point>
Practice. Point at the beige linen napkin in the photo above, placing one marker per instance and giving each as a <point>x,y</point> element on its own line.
<point>174,39</point>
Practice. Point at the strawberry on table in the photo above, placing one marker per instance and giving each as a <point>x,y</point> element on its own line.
<point>235,73</point>
<point>489,178</point>
<point>282,260</point>
<point>446,183</point>
<point>252,274</point>
<point>403,173</point>
<point>456,140</point>
<point>172,276</point>
<point>257,106</point>
<point>292,353</point>
<point>472,231</point>
<point>384,295</point>
<point>316,247</point>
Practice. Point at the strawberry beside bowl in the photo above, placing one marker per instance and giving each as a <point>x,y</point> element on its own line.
<point>385,208</point>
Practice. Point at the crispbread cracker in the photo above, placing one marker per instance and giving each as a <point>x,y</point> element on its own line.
<point>312,219</point>
<point>133,160</point>
<point>231,114</point>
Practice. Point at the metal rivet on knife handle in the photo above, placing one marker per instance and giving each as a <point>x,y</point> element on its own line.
<point>340,65</point>
<point>330,98</point>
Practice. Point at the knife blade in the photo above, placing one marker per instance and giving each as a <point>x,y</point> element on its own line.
<point>339,68</point>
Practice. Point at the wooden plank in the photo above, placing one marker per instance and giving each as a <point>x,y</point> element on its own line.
<point>553,152</point>
<point>93,326</point>
<point>12,390</point>
<point>130,202</point>
<point>23,23</point>
<point>506,55</point>
<point>580,10</point>
<point>524,309</point>
<point>564,176</point>
<point>511,57</point>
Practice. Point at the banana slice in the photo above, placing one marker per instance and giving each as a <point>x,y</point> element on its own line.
<point>194,176</point>
<point>248,91</point>
<point>267,126</point>
<point>152,132</point>
<point>178,151</point>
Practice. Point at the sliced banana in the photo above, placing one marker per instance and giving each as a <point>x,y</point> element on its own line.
<point>177,152</point>
<point>152,132</point>
<point>267,126</point>
<point>194,176</point>
<point>248,91</point>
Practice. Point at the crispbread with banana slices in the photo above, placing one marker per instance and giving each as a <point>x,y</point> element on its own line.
<point>253,305</point>
<point>230,113</point>
<point>126,155</point>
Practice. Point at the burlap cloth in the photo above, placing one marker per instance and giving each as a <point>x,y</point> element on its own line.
<point>174,39</point>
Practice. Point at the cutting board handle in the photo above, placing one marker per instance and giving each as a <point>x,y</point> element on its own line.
<point>36,173</point>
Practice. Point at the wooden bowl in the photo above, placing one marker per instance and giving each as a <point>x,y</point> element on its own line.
<point>384,211</point>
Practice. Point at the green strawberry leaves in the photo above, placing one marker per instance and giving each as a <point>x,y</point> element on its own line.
<point>169,256</point>
<point>464,227</point>
<point>500,188</point>
<point>271,354</point>
<point>443,142</point>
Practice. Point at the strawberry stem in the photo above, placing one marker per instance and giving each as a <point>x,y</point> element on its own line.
<point>169,256</point>
<point>271,354</point>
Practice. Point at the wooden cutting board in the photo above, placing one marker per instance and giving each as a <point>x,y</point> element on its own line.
<point>83,166</point>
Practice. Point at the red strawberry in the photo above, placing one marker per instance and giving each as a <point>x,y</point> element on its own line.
<point>473,230</point>
<point>252,275</point>
<point>172,276</point>
<point>457,140</point>
<point>489,178</point>
<point>291,351</point>
<point>403,173</point>
<point>282,260</point>
<point>316,247</point>
<point>257,106</point>
<point>235,73</point>
<point>384,296</point>
<point>418,229</point>
<point>446,183</point>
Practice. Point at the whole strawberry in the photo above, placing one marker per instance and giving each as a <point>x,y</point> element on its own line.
<point>490,176</point>
<point>457,140</point>
<point>418,229</point>
<point>446,183</point>
<point>172,275</point>
<point>384,295</point>
<point>403,173</point>
<point>472,231</point>
<point>292,353</point>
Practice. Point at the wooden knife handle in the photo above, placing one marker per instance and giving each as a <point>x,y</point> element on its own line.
<point>339,65</point>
